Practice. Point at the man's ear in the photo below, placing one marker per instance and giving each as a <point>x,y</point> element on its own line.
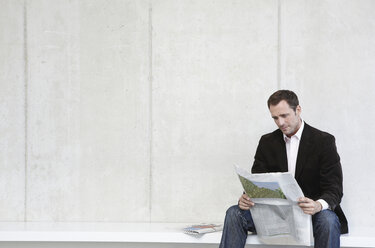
<point>298,110</point>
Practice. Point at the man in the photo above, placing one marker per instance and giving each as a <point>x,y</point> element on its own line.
<point>311,156</point>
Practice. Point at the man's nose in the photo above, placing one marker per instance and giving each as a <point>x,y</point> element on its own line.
<point>281,121</point>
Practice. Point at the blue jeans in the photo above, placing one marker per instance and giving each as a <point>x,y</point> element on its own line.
<point>326,228</point>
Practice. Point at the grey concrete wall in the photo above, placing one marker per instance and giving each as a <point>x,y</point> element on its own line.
<point>206,90</point>
<point>12,111</point>
<point>138,110</point>
<point>88,111</point>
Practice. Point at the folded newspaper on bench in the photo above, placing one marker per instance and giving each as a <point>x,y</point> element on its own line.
<point>277,217</point>
<point>202,228</point>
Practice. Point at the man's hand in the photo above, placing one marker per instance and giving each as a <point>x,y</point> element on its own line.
<point>245,202</point>
<point>309,206</point>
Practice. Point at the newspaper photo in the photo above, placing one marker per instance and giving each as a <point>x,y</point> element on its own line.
<point>277,217</point>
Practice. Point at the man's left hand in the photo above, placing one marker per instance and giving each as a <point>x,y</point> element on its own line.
<point>309,206</point>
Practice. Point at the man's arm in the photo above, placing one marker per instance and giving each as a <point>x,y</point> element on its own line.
<point>330,173</point>
<point>330,176</point>
<point>259,165</point>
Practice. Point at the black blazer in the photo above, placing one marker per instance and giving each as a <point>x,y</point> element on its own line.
<point>318,168</point>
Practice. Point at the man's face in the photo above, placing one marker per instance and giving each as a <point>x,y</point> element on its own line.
<point>286,118</point>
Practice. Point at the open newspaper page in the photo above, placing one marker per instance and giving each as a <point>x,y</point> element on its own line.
<point>277,217</point>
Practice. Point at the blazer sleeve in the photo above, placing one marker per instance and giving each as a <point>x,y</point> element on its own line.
<point>330,173</point>
<point>259,165</point>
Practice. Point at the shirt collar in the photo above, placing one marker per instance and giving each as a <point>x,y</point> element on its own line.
<point>299,132</point>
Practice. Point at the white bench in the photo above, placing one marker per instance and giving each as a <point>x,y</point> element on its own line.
<point>25,234</point>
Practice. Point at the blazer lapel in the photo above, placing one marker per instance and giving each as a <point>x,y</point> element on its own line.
<point>303,150</point>
<point>281,156</point>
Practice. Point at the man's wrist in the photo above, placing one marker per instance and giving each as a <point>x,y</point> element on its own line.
<point>324,204</point>
<point>320,206</point>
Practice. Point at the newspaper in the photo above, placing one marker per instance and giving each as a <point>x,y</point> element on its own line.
<point>203,228</point>
<point>277,217</point>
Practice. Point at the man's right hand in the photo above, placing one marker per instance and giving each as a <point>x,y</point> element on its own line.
<point>245,202</point>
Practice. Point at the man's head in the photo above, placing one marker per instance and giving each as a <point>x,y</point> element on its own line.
<point>285,110</point>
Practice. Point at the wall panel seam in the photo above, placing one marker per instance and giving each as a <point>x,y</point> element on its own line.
<point>150,109</point>
<point>26,70</point>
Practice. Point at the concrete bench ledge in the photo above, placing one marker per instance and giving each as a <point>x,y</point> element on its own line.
<point>133,233</point>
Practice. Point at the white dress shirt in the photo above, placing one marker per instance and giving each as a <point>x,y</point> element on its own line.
<point>292,145</point>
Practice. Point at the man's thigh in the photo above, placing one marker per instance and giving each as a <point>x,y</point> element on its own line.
<point>325,222</point>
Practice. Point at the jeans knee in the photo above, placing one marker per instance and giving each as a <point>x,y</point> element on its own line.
<point>326,221</point>
<point>233,212</point>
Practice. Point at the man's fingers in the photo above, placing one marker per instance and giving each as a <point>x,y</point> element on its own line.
<point>309,206</point>
<point>306,205</point>
<point>305,202</point>
<point>308,210</point>
<point>248,202</point>
<point>243,205</point>
<point>245,202</point>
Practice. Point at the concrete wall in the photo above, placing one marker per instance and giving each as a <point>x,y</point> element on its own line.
<point>138,110</point>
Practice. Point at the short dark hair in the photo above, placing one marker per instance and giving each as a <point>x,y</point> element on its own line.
<point>289,96</point>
